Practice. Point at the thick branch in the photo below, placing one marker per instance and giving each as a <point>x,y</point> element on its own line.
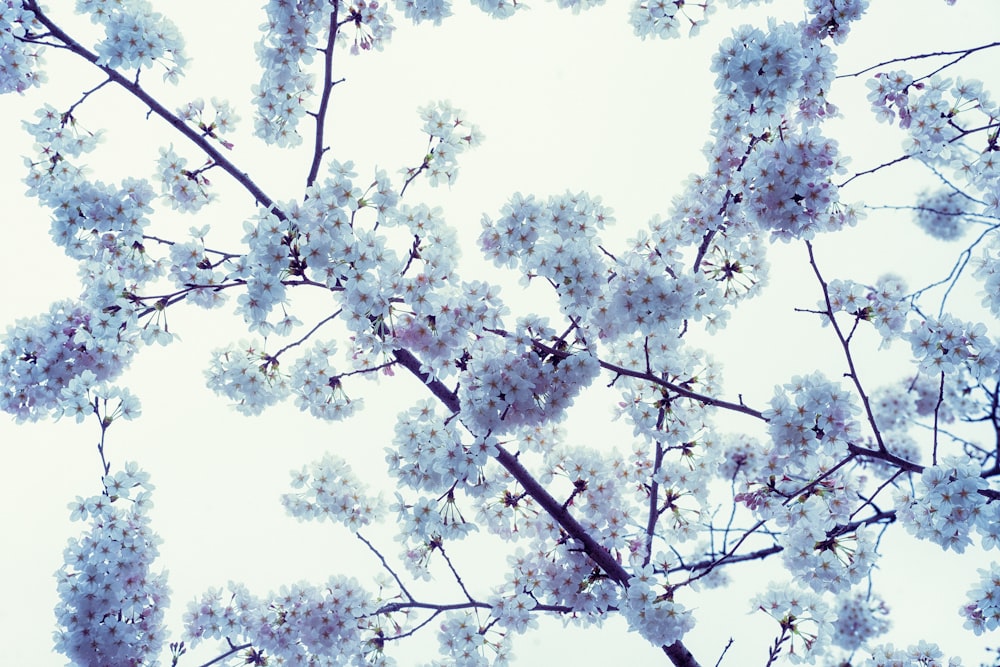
<point>177,123</point>
<point>677,652</point>
<point>324,100</point>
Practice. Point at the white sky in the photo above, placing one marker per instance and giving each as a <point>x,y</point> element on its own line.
<point>566,102</point>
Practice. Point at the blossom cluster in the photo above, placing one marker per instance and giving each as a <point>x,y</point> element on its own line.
<point>136,36</point>
<point>508,382</point>
<point>819,546</point>
<point>57,136</point>
<point>811,418</point>
<point>419,11</point>
<point>91,220</point>
<point>442,320</point>
<point>792,192</point>
<point>19,59</point>
<point>944,119</point>
<point>647,294</point>
<point>656,616</point>
<point>513,610</point>
<point>246,375</point>
<point>190,267</point>
<point>987,269</point>
<point>736,261</point>
<point>373,25</point>
<point>317,387</point>
<point>816,551</point>
<point>428,452</point>
<point>555,240</point>
<point>223,122</point>
<point>930,120</point>
<point>449,135</point>
<point>83,396</point>
<point>385,301</point>
<point>882,304</point>
<point>771,168</point>
<point>111,603</point>
<point>559,575</point>
<point>608,297</point>
<point>806,620</point>
<point>43,355</point>
<point>664,18</point>
<point>983,611</point>
<point>105,227</point>
<point>833,19</point>
<point>948,345</point>
<point>467,643</point>
<point>320,238</point>
<point>303,624</point>
<point>183,189</point>
<point>425,524</point>
<point>945,505</point>
<point>316,238</point>
<point>859,618</point>
<point>942,214</point>
<point>922,654</point>
<point>102,226</point>
<point>760,74</point>
<point>440,312</point>
<point>330,490</point>
<point>889,94</point>
<point>262,267</point>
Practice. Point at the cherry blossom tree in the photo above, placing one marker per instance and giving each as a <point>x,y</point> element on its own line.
<point>813,479</point>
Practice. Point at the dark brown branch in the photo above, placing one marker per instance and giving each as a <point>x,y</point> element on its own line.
<point>677,652</point>
<point>324,100</point>
<point>654,494</point>
<point>177,123</point>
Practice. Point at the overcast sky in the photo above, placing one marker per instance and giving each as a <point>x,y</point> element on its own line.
<point>566,102</point>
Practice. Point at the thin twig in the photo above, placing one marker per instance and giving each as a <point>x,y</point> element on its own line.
<point>937,54</point>
<point>846,346</point>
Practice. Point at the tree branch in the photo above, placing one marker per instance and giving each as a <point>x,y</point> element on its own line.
<point>324,100</point>
<point>677,652</point>
<point>177,123</point>
<point>962,53</point>
<point>846,346</point>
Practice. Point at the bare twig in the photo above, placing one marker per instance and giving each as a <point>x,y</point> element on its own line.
<point>961,53</point>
